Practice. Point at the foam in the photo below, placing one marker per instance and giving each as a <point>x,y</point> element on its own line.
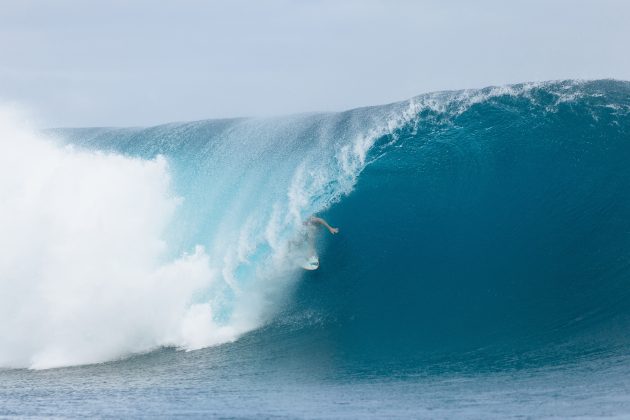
<point>454,103</point>
<point>82,272</point>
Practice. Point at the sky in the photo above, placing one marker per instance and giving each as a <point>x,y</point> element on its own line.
<point>143,62</point>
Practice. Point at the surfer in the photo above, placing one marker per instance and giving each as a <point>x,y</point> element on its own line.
<point>304,244</point>
<point>311,224</point>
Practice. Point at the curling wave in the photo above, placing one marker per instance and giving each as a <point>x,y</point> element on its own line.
<point>494,217</point>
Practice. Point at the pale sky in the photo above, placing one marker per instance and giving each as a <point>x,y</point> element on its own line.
<point>115,62</point>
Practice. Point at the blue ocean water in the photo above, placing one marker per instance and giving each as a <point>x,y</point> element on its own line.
<point>481,269</point>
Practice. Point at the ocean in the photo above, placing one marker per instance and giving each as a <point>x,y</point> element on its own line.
<point>481,269</point>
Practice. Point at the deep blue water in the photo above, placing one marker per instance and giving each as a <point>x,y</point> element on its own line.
<point>482,269</point>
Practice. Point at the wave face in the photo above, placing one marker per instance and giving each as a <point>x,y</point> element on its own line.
<point>495,229</point>
<point>471,221</point>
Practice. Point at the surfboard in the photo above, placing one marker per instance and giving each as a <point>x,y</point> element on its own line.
<point>312,263</point>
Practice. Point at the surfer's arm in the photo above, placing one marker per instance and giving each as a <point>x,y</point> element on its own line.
<point>322,222</point>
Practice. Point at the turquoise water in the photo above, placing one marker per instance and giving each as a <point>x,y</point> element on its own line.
<point>481,269</point>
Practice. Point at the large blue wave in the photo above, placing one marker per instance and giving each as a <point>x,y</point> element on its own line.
<point>496,228</point>
<point>487,221</point>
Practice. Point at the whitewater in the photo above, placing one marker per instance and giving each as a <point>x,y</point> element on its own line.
<point>108,253</point>
<point>482,256</point>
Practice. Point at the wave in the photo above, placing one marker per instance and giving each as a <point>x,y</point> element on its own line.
<point>496,228</point>
<point>125,240</point>
<point>467,218</point>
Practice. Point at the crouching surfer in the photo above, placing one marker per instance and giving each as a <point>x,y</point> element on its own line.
<point>312,224</point>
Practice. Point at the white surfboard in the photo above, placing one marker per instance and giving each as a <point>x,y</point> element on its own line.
<point>312,263</point>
